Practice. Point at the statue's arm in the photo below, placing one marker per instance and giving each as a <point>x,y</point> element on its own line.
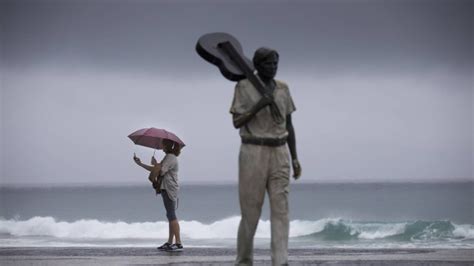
<point>241,119</point>
<point>292,147</point>
<point>291,137</point>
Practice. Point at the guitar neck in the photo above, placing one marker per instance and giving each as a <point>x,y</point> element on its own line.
<point>234,55</point>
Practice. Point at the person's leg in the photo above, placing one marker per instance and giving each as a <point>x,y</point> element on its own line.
<point>171,215</point>
<point>165,203</point>
<point>170,232</point>
<point>175,230</point>
<point>278,189</point>
<point>252,185</point>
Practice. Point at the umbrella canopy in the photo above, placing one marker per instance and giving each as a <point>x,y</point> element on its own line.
<point>153,137</point>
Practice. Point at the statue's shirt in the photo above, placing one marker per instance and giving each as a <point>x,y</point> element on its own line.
<point>262,124</point>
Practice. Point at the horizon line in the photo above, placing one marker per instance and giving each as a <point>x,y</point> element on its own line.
<point>210,183</point>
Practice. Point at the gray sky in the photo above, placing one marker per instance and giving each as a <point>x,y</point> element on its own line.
<point>383,89</point>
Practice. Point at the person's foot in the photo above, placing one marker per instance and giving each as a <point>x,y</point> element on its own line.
<point>177,247</point>
<point>165,246</point>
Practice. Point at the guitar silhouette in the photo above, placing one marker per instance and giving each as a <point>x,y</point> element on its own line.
<point>225,52</point>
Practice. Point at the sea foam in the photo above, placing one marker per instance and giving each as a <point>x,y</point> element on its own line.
<point>328,229</point>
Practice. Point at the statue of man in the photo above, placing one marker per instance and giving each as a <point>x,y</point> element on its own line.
<point>264,163</point>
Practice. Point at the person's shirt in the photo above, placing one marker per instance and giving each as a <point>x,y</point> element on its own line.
<point>262,125</point>
<point>169,171</point>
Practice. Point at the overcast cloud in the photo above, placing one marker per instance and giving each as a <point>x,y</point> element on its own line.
<point>383,89</point>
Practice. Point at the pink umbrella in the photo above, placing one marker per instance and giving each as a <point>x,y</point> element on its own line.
<point>153,137</point>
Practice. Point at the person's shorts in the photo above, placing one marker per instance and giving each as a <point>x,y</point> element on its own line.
<point>170,206</point>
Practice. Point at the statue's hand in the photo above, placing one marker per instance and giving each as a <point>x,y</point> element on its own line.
<point>264,101</point>
<point>267,99</point>
<point>296,169</point>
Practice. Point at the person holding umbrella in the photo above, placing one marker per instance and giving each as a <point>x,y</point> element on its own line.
<point>167,169</point>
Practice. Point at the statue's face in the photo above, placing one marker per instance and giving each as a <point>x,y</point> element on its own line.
<point>267,69</point>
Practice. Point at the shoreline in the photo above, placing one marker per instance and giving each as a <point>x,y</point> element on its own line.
<point>127,184</point>
<point>226,256</point>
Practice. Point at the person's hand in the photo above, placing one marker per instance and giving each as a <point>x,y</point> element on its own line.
<point>296,169</point>
<point>136,159</point>
<point>153,160</point>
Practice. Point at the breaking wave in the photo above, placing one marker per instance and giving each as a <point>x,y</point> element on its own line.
<point>329,229</point>
<point>416,231</point>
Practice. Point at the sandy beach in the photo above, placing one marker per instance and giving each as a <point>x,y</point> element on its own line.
<point>207,256</point>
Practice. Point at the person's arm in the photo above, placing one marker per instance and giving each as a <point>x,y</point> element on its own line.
<point>139,162</point>
<point>154,173</point>
<point>292,147</point>
<point>241,119</point>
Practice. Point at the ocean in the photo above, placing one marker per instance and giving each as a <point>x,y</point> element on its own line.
<point>375,215</point>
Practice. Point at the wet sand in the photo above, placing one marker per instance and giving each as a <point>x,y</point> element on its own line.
<point>206,256</point>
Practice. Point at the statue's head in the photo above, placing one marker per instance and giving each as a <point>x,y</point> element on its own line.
<point>265,61</point>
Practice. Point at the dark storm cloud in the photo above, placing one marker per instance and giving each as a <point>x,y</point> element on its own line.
<point>159,35</point>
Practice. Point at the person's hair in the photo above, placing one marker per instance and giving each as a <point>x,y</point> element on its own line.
<point>263,53</point>
<point>176,150</point>
<point>170,146</point>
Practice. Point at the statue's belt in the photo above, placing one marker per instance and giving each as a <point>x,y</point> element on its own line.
<point>264,141</point>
